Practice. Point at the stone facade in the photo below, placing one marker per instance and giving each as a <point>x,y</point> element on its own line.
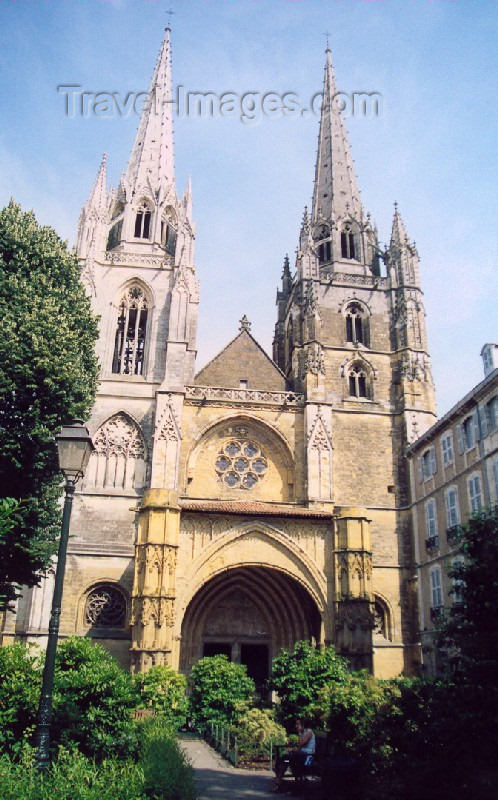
<point>453,473</point>
<point>259,502</point>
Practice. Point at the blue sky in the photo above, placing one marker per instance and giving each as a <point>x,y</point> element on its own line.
<point>433,150</point>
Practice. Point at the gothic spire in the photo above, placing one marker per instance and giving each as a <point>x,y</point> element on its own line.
<point>151,164</point>
<point>336,192</point>
<point>97,199</point>
<point>398,234</point>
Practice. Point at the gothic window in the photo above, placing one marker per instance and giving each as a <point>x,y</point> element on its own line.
<point>119,458</point>
<point>142,222</point>
<point>114,237</point>
<point>358,385</point>
<point>241,464</point>
<point>129,341</point>
<point>105,607</point>
<point>168,237</point>
<point>356,324</point>
<point>324,252</point>
<point>348,243</point>
<point>381,626</point>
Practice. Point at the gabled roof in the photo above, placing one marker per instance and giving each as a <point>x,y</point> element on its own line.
<point>243,359</point>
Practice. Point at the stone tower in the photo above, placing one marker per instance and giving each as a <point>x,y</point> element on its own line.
<point>259,501</point>
<point>353,341</point>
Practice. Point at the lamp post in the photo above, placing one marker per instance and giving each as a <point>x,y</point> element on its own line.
<point>74,447</point>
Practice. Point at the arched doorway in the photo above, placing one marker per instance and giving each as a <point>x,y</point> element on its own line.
<point>249,614</point>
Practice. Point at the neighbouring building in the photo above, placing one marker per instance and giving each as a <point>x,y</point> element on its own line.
<point>259,501</point>
<point>453,473</point>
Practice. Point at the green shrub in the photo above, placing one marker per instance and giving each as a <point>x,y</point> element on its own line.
<point>217,687</point>
<point>164,690</point>
<point>71,777</point>
<point>20,683</point>
<point>299,676</point>
<point>168,774</point>
<point>93,701</point>
<point>255,730</point>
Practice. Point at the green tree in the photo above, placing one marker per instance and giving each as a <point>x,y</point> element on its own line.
<point>300,675</point>
<point>48,376</point>
<point>164,690</point>
<point>218,687</point>
<point>470,634</point>
<point>93,700</point>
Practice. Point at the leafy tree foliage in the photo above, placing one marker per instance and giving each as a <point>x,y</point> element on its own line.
<point>217,687</point>
<point>300,675</point>
<point>48,376</point>
<point>470,635</point>
<point>93,700</point>
<point>164,690</point>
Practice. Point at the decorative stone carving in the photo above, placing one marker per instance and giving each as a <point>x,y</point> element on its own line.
<point>204,393</point>
<point>105,607</point>
<point>119,458</point>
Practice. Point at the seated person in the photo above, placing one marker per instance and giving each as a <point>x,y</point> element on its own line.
<point>296,759</point>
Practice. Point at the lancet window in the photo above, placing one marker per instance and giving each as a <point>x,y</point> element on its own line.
<point>348,243</point>
<point>356,324</point>
<point>358,381</point>
<point>168,237</point>
<point>131,331</point>
<point>142,222</point>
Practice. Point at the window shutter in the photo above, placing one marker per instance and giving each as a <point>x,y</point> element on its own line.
<point>481,410</point>
<point>477,429</point>
<point>460,444</point>
<point>420,470</point>
<point>433,460</point>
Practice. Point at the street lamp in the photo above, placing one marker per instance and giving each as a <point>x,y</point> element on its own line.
<point>74,447</point>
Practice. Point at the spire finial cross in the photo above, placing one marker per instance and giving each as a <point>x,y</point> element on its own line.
<point>327,36</point>
<point>169,13</point>
<point>245,325</point>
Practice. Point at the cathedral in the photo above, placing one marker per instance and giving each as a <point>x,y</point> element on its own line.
<point>261,500</point>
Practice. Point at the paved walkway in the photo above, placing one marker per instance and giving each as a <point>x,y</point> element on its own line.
<point>216,779</point>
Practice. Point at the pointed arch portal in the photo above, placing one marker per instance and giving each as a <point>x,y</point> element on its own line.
<point>249,613</point>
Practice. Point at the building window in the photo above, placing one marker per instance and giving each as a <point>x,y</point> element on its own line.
<point>356,324</point>
<point>105,607</point>
<point>475,497</point>
<point>241,464</point>
<point>114,237</point>
<point>357,380</point>
<point>495,476</point>
<point>168,237</point>
<point>142,222</point>
<point>348,243</point>
<point>457,581</point>
<point>436,588</point>
<point>432,541</point>
<point>427,464</point>
<point>324,252</point>
<point>468,433</point>
<point>129,340</point>
<point>452,510</point>
<point>447,449</point>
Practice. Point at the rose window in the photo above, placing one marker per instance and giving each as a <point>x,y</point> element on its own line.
<point>241,464</point>
<point>105,607</point>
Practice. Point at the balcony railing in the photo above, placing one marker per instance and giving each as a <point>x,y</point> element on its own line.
<point>452,533</point>
<point>432,543</point>
<point>437,612</point>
